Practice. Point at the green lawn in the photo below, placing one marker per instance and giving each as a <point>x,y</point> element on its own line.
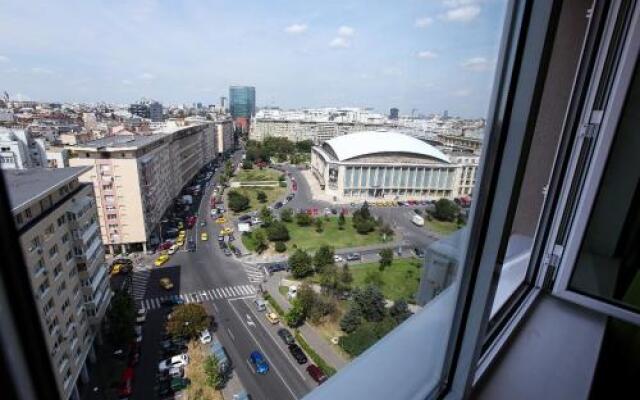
<point>400,280</point>
<point>306,237</point>
<point>254,175</point>
<point>273,194</point>
<point>441,227</point>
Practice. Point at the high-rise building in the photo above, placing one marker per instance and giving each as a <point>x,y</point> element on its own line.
<point>18,149</point>
<point>152,110</point>
<point>393,113</point>
<point>155,112</point>
<point>223,103</point>
<point>57,223</point>
<point>242,105</point>
<point>136,178</point>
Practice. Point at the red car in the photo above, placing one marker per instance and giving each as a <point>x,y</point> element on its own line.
<point>191,221</point>
<point>316,373</point>
<point>125,387</point>
<point>165,245</point>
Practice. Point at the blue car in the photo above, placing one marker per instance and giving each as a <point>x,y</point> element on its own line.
<point>259,362</point>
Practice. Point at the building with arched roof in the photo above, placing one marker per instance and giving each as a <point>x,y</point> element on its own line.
<point>376,165</point>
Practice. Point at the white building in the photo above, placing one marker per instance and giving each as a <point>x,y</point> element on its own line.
<point>389,165</point>
<point>18,150</point>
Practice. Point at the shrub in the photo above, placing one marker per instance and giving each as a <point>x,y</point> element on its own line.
<point>281,247</point>
<point>386,258</point>
<point>261,196</point>
<point>446,210</point>
<point>277,232</point>
<point>300,263</point>
<point>274,304</point>
<point>303,219</point>
<point>295,317</point>
<point>351,320</point>
<point>214,378</point>
<point>286,215</point>
<point>188,320</point>
<point>237,201</point>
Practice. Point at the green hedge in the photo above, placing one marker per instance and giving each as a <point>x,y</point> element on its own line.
<point>276,307</point>
<point>320,362</point>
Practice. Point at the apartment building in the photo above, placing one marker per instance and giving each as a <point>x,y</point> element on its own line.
<point>18,149</point>
<point>55,215</point>
<point>224,135</point>
<point>137,177</point>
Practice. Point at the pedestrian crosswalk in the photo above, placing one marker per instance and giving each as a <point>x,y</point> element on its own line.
<point>202,296</point>
<point>139,284</point>
<point>254,273</point>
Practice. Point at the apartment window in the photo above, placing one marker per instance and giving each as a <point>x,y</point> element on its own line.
<point>35,243</point>
<point>65,305</point>
<point>19,218</point>
<point>53,251</point>
<point>27,213</point>
<point>57,270</point>
<point>61,220</point>
<point>68,256</point>
<point>61,287</point>
<point>43,287</point>
<point>65,238</point>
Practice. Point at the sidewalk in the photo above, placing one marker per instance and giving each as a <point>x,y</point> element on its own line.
<point>319,344</point>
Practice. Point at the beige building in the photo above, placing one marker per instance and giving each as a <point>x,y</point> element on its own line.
<point>299,130</point>
<point>136,178</point>
<point>224,135</point>
<point>56,218</point>
<point>378,165</point>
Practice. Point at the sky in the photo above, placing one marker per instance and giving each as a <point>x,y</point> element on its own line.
<point>427,55</point>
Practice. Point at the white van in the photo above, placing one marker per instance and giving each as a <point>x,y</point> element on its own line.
<point>292,293</point>
<point>261,305</point>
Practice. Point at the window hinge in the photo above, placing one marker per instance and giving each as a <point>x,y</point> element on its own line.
<point>589,128</point>
<point>550,264</point>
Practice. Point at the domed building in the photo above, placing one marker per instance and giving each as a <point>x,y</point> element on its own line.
<point>377,165</point>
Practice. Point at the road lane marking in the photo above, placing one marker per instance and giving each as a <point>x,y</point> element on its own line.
<point>231,335</point>
<point>263,352</point>
<point>267,328</point>
<point>220,295</point>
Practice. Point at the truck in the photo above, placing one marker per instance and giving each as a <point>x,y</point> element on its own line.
<point>216,349</point>
<point>244,227</point>
<point>417,220</point>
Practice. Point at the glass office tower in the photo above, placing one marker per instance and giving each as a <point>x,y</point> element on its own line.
<point>242,100</point>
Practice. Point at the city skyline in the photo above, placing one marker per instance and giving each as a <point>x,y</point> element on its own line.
<point>427,56</point>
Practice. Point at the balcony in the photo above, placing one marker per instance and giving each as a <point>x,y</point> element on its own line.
<point>98,279</point>
<point>90,230</point>
<point>63,364</point>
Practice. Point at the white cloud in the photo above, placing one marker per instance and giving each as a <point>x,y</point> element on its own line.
<point>4,59</point>
<point>458,3</point>
<point>296,29</point>
<point>346,31</point>
<point>127,82</point>
<point>461,92</point>
<point>423,22</point>
<point>461,14</point>
<point>476,64</point>
<point>41,71</point>
<point>427,55</point>
<point>392,71</point>
<point>339,43</point>
<point>147,76</point>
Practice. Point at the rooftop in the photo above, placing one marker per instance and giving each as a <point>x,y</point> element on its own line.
<point>27,185</point>
<point>375,142</point>
<point>120,142</point>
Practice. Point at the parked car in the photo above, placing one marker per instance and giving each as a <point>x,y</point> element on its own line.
<point>227,252</point>
<point>337,258</point>
<point>179,361</point>
<point>316,373</point>
<point>205,337</point>
<point>259,363</point>
<point>173,249</point>
<point>297,353</point>
<point>204,236</point>
<point>292,292</point>
<point>278,267</point>
<point>419,252</point>
<point>161,260</point>
<point>278,205</point>
<point>272,317</point>
<point>354,257</point>
<point>125,387</point>
<point>191,246</point>
<point>220,238</point>
<point>286,336</point>
<point>261,305</point>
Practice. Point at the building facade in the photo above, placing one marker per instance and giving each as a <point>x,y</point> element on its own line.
<point>136,178</point>
<point>242,106</point>
<point>59,233</point>
<point>18,149</point>
<point>224,135</point>
<point>388,165</point>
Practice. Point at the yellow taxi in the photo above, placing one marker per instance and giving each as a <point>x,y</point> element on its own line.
<point>166,283</point>
<point>204,236</point>
<point>161,260</point>
<point>226,231</point>
<point>272,317</point>
<point>221,221</point>
<point>182,234</point>
<point>179,241</point>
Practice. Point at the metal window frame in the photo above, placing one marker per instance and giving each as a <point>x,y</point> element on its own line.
<point>587,196</point>
<point>524,57</point>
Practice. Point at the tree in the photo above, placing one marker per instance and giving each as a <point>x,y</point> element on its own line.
<point>306,298</point>
<point>188,320</point>
<point>329,278</point>
<point>386,258</point>
<point>351,320</point>
<point>341,221</point>
<point>261,241</point>
<point>277,232</point>
<point>122,315</point>
<point>286,214</point>
<point>247,164</point>
<point>322,307</point>
<point>282,178</point>
<point>303,219</point>
<point>359,340</point>
<point>364,226</point>
<point>318,224</point>
<point>304,146</point>
<point>300,263</point>
<point>323,257</point>
<point>261,196</point>
<point>446,210</point>
<point>371,303</point>
<point>214,377</point>
<point>223,180</point>
<point>363,212</point>
<point>399,311</point>
<point>386,231</point>
<point>374,278</point>
<point>346,279</point>
<point>281,247</point>
<point>266,216</point>
<point>237,201</point>
<point>295,317</point>
<point>228,168</point>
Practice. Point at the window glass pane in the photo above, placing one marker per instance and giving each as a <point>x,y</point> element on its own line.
<point>608,265</point>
